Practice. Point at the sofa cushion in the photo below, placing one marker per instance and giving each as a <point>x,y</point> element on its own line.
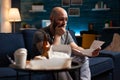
<point>9,42</point>
<point>116,59</point>
<point>99,65</point>
<point>28,39</point>
<point>9,72</point>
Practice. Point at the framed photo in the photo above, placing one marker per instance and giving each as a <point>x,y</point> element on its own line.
<point>45,23</point>
<point>76,2</point>
<point>65,3</point>
<point>75,12</point>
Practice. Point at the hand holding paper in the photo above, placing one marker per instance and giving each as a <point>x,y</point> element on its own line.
<point>94,48</point>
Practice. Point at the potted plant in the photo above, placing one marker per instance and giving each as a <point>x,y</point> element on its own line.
<point>38,6</point>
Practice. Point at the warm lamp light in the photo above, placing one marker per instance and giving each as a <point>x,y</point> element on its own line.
<point>14,16</point>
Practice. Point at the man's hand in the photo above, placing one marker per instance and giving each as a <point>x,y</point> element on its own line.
<point>60,30</point>
<point>96,52</point>
<point>87,52</point>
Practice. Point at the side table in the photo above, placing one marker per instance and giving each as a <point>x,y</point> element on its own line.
<point>74,67</point>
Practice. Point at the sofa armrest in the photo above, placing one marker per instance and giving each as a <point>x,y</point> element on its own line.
<point>106,53</point>
<point>116,59</point>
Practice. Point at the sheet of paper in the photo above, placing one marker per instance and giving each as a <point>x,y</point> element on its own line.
<point>96,44</point>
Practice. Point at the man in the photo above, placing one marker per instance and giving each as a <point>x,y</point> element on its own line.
<point>57,34</point>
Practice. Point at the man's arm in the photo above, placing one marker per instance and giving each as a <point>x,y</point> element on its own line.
<point>77,50</point>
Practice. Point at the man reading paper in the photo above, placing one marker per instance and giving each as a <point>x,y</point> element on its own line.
<point>57,34</point>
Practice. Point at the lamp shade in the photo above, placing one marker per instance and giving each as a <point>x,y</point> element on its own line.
<point>14,15</point>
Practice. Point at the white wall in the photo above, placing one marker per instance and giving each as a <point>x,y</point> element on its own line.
<point>5,24</point>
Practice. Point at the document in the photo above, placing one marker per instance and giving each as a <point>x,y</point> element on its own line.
<point>96,44</point>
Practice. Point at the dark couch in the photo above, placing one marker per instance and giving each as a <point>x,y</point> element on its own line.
<point>101,67</point>
<point>9,43</point>
<point>107,36</point>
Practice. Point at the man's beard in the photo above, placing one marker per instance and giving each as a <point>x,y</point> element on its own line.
<point>54,25</point>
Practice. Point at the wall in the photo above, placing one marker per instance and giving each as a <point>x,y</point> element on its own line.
<point>5,26</point>
<point>75,23</point>
<point>0,15</point>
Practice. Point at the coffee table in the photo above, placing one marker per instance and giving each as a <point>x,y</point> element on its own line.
<point>75,66</point>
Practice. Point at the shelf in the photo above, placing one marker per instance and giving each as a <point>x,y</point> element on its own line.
<point>112,28</point>
<point>101,9</point>
<point>37,11</point>
<point>27,28</point>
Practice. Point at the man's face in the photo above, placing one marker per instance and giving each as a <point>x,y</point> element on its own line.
<point>60,22</point>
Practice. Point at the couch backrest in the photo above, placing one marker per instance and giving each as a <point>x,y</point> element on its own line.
<point>28,39</point>
<point>9,42</point>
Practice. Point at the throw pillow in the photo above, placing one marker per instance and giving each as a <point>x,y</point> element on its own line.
<point>115,44</point>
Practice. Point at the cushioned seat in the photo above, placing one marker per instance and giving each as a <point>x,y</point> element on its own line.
<point>28,39</point>
<point>8,73</point>
<point>99,65</point>
<point>9,42</point>
<point>116,59</point>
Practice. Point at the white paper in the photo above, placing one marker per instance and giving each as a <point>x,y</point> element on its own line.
<point>96,44</point>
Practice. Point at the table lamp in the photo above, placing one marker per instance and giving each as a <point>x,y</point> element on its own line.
<point>14,16</point>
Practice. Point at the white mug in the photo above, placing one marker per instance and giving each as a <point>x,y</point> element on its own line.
<point>20,57</point>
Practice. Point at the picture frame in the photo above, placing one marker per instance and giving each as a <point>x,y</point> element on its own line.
<point>45,23</point>
<point>75,12</point>
<point>76,2</point>
<point>65,3</point>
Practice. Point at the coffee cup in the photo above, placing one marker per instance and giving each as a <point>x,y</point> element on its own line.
<point>20,57</point>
